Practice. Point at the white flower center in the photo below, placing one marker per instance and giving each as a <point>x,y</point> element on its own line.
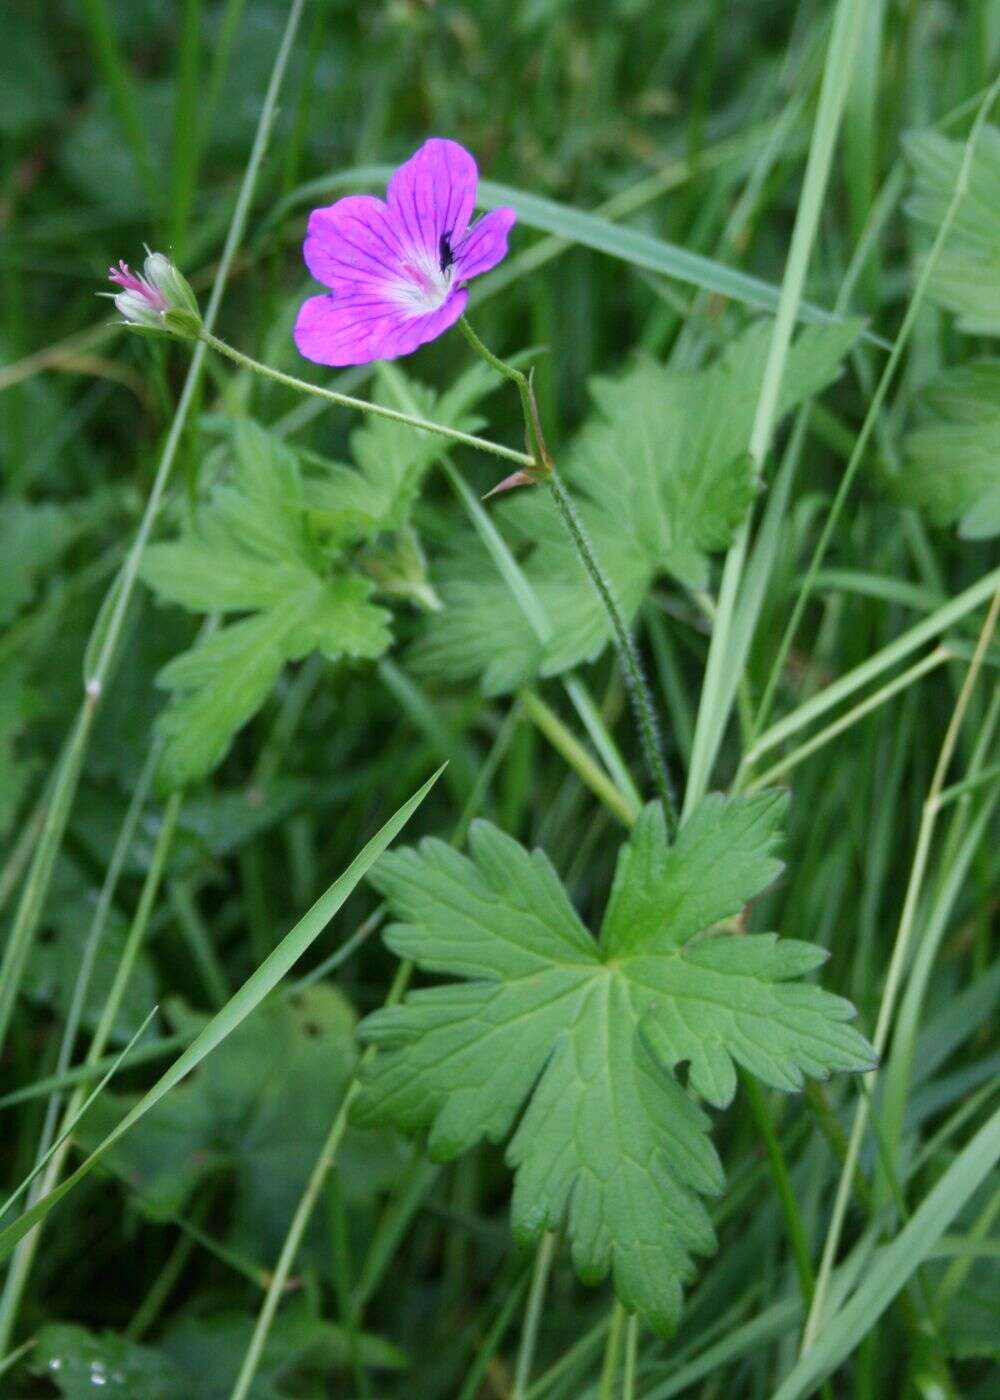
<point>425,286</point>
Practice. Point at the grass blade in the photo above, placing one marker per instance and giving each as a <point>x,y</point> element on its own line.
<point>894,1265</point>
<point>236,1010</point>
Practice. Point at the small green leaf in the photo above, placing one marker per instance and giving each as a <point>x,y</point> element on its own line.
<point>199,1357</point>
<point>966,279</point>
<point>662,896</point>
<point>82,1364</point>
<point>952,468</point>
<point>585,1036</point>
<point>662,478</point>
<point>31,539</point>
<point>256,1113</point>
<point>300,1348</point>
<point>391,458</point>
<point>250,549</point>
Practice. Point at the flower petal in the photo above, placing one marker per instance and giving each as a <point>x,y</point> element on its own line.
<point>365,325</point>
<point>434,194</point>
<point>355,242</point>
<point>485,244</point>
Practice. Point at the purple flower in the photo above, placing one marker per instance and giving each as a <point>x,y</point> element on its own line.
<point>397,270</point>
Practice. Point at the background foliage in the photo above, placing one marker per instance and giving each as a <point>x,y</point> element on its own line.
<point>358,634</point>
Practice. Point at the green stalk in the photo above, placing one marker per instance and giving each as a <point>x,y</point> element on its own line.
<point>924,666</point>
<point>566,743</point>
<point>71,1120</point>
<point>783,1182</point>
<point>542,468</point>
<point>199,942</point>
<point>19,1272</point>
<point>971,598</point>
<point>114,69</point>
<point>29,909</point>
<point>531,607</point>
<point>165,1282</point>
<point>488,1347</point>
<point>629,1374</point>
<point>962,789</point>
<point>328,1153</point>
<point>24,1255</point>
<point>302,386</point>
<point>187,135</point>
<point>533,1314</point>
<point>305,1207</point>
<point>638,687</point>
<point>612,1353</point>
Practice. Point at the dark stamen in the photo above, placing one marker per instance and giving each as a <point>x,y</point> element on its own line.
<point>446,256</point>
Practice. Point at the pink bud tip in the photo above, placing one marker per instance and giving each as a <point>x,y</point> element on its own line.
<point>122,276</point>
<point>510,482</point>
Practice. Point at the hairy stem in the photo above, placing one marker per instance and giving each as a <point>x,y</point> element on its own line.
<point>361,405</point>
<point>542,468</point>
<point>638,688</point>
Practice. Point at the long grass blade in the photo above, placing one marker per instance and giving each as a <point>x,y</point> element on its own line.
<point>236,1010</point>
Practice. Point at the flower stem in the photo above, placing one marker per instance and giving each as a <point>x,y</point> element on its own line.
<point>638,687</point>
<point>540,457</point>
<point>361,405</point>
<point>543,469</point>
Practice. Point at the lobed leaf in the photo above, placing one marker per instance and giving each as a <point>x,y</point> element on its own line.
<point>966,279</point>
<point>582,1038</point>
<point>250,549</point>
<point>952,469</point>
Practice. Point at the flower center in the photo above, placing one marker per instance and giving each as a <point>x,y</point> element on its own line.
<point>426,285</point>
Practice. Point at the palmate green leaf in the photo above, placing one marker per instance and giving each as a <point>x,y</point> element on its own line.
<point>662,479</point>
<point>952,468</point>
<point>250,549</point>
<point>966,279</point>
<point>584,1036</point>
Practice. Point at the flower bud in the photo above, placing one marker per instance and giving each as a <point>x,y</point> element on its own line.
<point>400,570</point>
<point>158,300</point>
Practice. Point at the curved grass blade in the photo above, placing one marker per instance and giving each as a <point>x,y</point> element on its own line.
<point>239,1006</point>
<point>894,1265</point>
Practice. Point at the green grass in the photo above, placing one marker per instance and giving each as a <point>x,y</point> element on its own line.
<point>170,959</point>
